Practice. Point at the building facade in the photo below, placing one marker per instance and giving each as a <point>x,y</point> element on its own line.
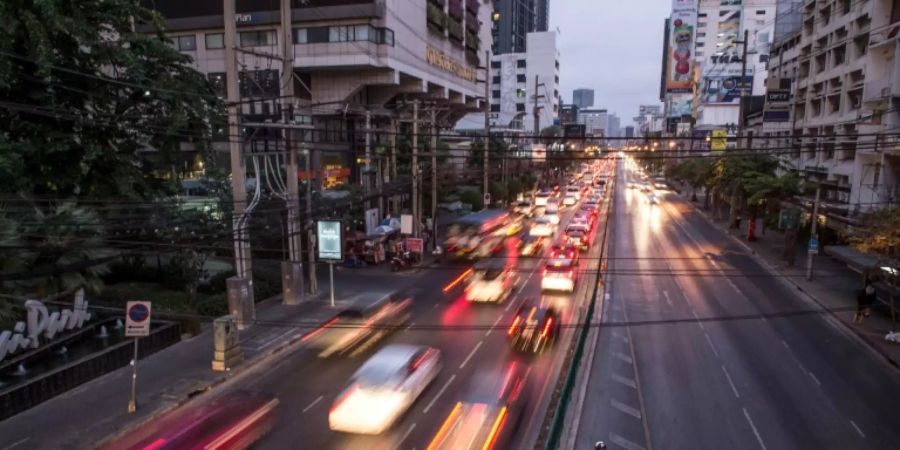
<point>568,114</point>
<point>583,98</point>
<point>351,58</point>
<point>514,19</point>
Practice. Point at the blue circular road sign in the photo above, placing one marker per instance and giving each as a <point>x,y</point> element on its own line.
<point>139,312</point>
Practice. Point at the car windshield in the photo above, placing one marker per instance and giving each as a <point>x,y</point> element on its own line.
<point>488,275</point>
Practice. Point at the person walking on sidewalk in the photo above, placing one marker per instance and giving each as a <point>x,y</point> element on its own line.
<point>864,301</point>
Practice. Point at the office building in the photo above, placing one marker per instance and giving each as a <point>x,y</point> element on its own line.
<point>515,19</point>
<point>350,58</point>
<point>583,98</point>
<point>629,132</point>
<point>568,114</point>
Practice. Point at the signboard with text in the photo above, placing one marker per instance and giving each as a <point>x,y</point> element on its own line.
<point>330,237</point>
<point>414,245</point>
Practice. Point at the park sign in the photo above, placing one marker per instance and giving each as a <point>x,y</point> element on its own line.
<point>329,235</point>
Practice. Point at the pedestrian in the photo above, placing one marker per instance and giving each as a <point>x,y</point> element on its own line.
<point>864,301</point>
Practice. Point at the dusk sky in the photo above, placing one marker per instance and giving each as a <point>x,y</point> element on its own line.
<point>614,47</point>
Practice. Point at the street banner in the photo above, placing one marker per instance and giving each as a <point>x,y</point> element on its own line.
<point>680,43</point>
<point>718,140</point>
<point>329,236</point>
<point>414,245</point>
<point>406,223</point>
<point>137,319</point>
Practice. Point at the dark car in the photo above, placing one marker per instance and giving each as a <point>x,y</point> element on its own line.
<point>534,328</point>
<point>489,412</point>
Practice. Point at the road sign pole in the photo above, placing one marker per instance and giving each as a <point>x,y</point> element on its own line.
<point>812,234</point>
<point>331,281</point>
<point>132,404</point>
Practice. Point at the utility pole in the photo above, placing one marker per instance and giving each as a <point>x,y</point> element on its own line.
<point>310,229</point>
<point>368,167</point>
<point>240,287</point>
<point>434,175</point>
<point>537,112</point>
<point>487,119</point>
<point>292,269</point>
<point>415,168</point>
<point>812,234</point>
<point>395,209</point>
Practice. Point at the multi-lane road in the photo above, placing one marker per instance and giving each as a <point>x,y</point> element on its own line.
<point>702,348</point>
<point>471,338</point>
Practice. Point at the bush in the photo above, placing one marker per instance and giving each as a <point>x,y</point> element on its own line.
<point>472,197</point>
<point>216,284</point>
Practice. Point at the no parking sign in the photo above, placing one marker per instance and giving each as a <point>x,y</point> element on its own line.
<point>137,319</point>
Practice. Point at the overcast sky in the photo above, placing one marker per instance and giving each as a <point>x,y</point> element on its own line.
<point>612,46</point>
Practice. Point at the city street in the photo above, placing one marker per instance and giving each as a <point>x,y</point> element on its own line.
<point>701,348</point>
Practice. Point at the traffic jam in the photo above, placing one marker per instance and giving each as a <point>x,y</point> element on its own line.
<point>490,257</point>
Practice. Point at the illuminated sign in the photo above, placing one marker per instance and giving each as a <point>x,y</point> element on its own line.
<point>438,58</point>
<point>329,235</point>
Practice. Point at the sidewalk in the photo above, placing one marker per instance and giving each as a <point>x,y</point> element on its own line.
<point>83,417</point>
<point>834,285</point>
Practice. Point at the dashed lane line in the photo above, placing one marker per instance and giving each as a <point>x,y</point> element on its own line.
<point>466,361</point>
<point>711,345</point>
<point>624,443</point>
<point>755,431</point>
<point>856,427</point>
<point>405,435</point>
<point>623,357</point>
<point>488,333</point>
<point>440,392</point>
<point>313,404</point>
<point>731,382</point>
<point>623,380</point>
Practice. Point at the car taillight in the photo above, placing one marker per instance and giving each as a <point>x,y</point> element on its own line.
<point>544,273</point>
<point>546,327</point>
<point>571,273</point>
<point>512,328</point>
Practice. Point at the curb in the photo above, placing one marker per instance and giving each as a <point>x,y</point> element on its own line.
<point>868,341</point>
<point>224,378</point>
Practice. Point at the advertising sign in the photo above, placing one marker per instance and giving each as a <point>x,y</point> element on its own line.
<point>681,46</point>
<point>724,89</point>
<point>778,106</point>
<point>414,245</point>
<point>718,140</point>
<point>137,319</point>
<point>330,237</point>
<point>678,105</point>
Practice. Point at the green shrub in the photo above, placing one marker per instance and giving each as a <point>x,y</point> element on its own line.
<point>472,197</point>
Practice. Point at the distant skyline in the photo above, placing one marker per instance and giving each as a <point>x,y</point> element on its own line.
<point>613,48</point>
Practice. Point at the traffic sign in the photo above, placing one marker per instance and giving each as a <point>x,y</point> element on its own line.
<point>813,247</point>
<point>137,319</point>
<point>487,199</point>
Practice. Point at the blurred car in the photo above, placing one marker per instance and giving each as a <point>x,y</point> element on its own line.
<point>564,251</point>
<point>514,227</point>
<point>525,208</point>
<point>584,219</point>
<point>384,388</point>
<point>559,275</point>
<point>231,422</point>
<point>369,318</point>
<point>488,413</point>
<point>541,198</point>
<point>573,189</point>
<point>491,281</point>
<point>542,227</point>
<point>570,199</point>
<point>531,245</point>
<point>578,238</point>
<point>652,199</point>
<point>534,328</point>
<point>551,212</point>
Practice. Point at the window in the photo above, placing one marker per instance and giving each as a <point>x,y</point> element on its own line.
<point>495,108</point>
<point>301,35</point>
<point>495,94</point>
<point>344,33</point>
<point>217,81</point>
<point>317,35</point>
<point>521,78</point>
<point>699,53</point>
<point>700,35</point>
<point>760,12</point>
<point>495,64</point>
<point>701,24</point>
<point>702,44</point>
<point>520,107</point>
<point>362,33</point>
<point>520,63</point>
<point>258,38</point>
<point>701,15</point>
<point>185,43</point>
<point>215,41</point>
<point>495,79</point>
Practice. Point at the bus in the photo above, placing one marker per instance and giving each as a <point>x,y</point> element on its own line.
<point>477,235</point>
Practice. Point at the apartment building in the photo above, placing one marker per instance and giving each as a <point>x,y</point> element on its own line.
<point>351,58</point>
<point>846,98</point>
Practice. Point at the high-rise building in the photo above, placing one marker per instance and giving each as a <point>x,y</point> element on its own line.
<point>583,98</point>
<point>629,132</point>
<point>568,114</point>
<point>515,19</point>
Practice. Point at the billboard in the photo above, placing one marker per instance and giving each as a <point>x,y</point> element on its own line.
<point>723,89</point>
<point>329,235</point>
<point>718,140</point>
<point>678,105</point>
<point>680,56</point>
<point>778,106</point>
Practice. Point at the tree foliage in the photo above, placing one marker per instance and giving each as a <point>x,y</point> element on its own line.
<point>879,234</point>
<point>87,86</point>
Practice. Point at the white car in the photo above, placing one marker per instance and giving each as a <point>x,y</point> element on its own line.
<point>552,214</point>
<point>542,227</point>
<point>570,199</point>
<point>492,281</point>
<point>384,388</point>
<point>559,275</point>
<point>541,198</point>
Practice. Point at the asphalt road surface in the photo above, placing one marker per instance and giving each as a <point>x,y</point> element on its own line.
<point>702,349</point>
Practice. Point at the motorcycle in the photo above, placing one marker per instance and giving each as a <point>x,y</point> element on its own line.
<point>402,261</point>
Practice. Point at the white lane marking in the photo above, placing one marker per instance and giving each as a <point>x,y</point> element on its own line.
<point>494,325</point>
<point>410,325</point>
<point>730,382</point>
<point>694,313</point>
<point>624,443</point>
<point>668,299</point>
<point>755,431</point>
<point>508,305</point>
<point>466,361</point>
<point>405,435</point>
<point>710,342</point>
<point>785,344</point>
<point>626,381</point>
<point>855,426</point>
<point>625,408</point>
<point>24,440</point>
<point>435,306</point>
<point>311,405</point>
<point>623,357</point>
<point>814,378</point>
<point>440,392</point>
<point>733,286</point>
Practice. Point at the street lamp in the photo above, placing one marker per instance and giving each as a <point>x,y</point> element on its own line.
<point>671,144</point>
